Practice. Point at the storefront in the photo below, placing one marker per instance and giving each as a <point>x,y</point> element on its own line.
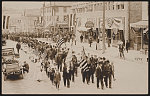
<point>62,29</point>
<point>115,31</point>
<point>139,35</point>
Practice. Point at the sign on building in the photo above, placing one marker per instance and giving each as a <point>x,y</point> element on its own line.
<point>89,24</point>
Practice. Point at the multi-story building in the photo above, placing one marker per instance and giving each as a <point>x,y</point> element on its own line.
<point>139,30</point>
<point>20,20</point>
<point>57,16</point>
<point>32,20</point>
<point>11,20</point>
<point>118,16</point>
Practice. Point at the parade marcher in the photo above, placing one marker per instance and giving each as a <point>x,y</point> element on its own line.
<point>93,66</point>
<point>18,47</point>
<point>58,60</point>
<point>66,76</point>
<point>90,41</point>
<point>87,70</point>
<point>25,67</point>
<point>107,72</point>
<point>99,75</point>
<point>74,61</point>
<point>82,68</point>
<point>52,73</point>
<point>71,71</point>
<point>127,46</point>
<point>46,66</point>
<point>57,78</point>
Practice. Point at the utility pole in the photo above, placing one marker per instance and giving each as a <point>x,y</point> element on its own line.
<point>128,22</point>
<point>103,34</point>
<point>43,18</point>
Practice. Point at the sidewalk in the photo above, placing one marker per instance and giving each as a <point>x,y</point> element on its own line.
<point>111,52</point>
<point>132,55</point>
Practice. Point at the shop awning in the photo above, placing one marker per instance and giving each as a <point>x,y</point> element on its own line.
<point>83,28</point>
<point>63,25</point>
<point>140,24</point>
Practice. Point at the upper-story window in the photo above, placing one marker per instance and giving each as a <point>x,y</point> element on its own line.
<point>118,6</point>
<point>122,6</point>
<point>65,9</point>
<point>56,9</point>
<point>113,7</point>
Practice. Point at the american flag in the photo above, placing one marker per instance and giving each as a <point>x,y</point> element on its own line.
<point>60,42</point>
<point>83,61</point>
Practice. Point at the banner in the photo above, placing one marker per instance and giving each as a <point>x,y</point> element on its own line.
<point>70,19</point>
<point>4,17</point>
<point>7,22</point>
<point>89,24</point>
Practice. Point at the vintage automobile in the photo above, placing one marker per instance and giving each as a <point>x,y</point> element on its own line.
<point>10,66</point>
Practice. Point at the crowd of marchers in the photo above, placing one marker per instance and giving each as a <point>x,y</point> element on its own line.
<point>49,56</point>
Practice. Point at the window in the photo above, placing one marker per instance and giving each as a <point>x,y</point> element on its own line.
<point>113,7</point>
<point>65,9</point>
<point>56,9</point>
<point>122,6</point>
<point>118,6</point>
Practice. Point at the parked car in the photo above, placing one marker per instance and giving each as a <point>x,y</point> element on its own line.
<point>9,64</point>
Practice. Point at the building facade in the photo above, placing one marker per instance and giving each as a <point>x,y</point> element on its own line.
<point>20,20</point>
<point>57,16</point>
<point>118,15</point>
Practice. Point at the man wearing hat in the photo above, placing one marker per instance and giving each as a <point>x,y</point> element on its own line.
<point>99,75</point>
<point>52,72</point>
<point>107,73</point>
<point>93,66</point>
<point>57,78</point>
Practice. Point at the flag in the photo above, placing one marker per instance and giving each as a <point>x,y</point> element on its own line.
<point>7,22</point>
<point>83,64</point>
<point>4,22</point>
<point>70,19</point>
<point>60,42</point>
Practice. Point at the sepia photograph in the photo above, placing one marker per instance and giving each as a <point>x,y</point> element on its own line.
<point>74,47</point>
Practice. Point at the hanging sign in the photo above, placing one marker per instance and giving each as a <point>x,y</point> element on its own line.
<point>89,24</point>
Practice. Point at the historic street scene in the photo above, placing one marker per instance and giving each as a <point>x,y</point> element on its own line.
<point>97,47</point>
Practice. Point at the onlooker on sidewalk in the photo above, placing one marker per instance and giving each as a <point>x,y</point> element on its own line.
<point>81,38</point>
<point>121,50</point>
<point>127,46</point>
<point>18,46</point>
